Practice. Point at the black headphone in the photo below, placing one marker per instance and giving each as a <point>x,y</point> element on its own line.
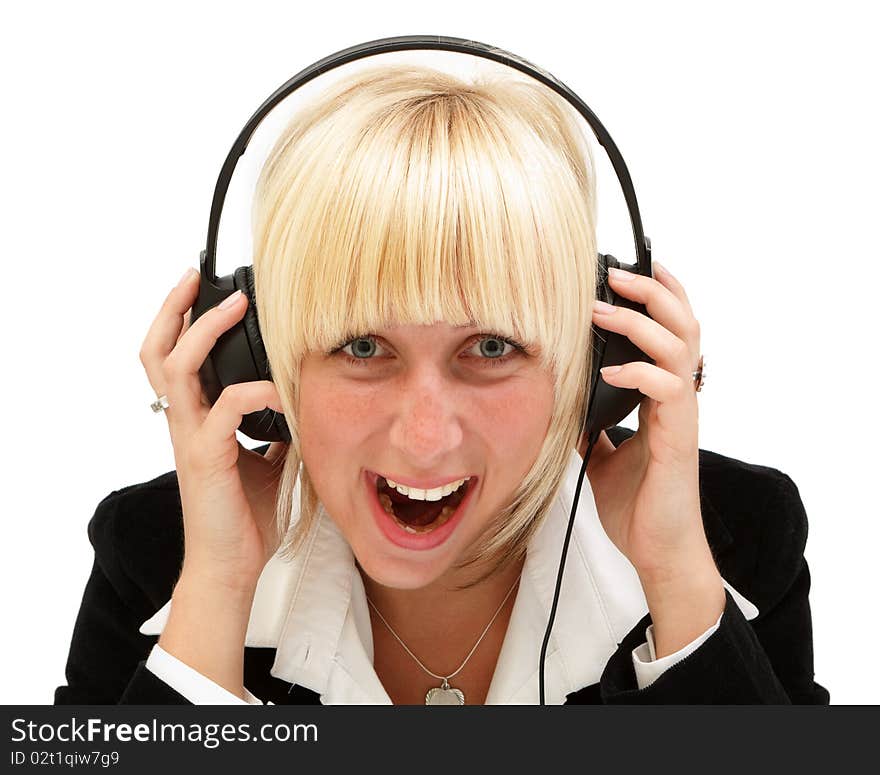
<point>240,356</point>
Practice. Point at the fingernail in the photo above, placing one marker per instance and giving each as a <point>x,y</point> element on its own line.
<point>230,300</point>
<point>190,272</point>
<point>620,274</point>
<point>660,269</point>
<point>609,370</point>
<point>603,308</point>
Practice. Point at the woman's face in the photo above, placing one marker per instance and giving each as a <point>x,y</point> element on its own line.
<point>420,403</point>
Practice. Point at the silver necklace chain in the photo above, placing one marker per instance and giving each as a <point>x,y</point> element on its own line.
<point>445,678</point>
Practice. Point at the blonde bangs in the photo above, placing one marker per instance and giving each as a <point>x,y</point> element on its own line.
<point>404,195</point>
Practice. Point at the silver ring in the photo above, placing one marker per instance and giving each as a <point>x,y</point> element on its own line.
<point>160,404</point>
<point>699,375</point>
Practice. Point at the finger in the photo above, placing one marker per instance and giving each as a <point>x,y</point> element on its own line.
<point>186,319</point>
<point>166,329</point>
<point>676,399</point>
<point>665,348</point>
<point>180,369</point>
<point>224,418</point>
<point>662,275</point>
<point>670,310</point>
<point>652,381</point>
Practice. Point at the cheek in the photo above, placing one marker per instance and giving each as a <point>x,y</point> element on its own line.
<point>333,424</point>
<point>336,417</point>
<point>514,418</point>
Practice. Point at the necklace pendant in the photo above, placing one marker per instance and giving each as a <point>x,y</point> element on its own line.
<point>444,695</point>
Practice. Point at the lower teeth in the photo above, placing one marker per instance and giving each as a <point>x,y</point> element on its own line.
<point>442,517</point>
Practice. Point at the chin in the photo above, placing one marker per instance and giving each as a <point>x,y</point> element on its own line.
<point>401,573</point>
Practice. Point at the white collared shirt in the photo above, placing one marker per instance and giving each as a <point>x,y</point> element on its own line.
<point>313,610</point>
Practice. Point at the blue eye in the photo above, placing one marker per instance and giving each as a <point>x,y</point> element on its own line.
<point>365,346</point>
<point>494,346</point>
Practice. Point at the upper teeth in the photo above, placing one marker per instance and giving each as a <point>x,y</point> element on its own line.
<point>427,495</point>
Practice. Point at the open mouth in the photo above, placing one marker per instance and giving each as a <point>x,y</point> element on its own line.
<point>415,515</point>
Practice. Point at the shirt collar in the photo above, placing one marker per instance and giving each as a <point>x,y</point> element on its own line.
<point>313,611</point>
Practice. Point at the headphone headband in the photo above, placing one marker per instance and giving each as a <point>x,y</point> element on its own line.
<point>403,43</point>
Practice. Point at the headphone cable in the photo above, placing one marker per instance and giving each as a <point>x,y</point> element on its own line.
<point>577,494</point>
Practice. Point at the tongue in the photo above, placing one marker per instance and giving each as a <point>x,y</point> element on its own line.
<point>415,513</point>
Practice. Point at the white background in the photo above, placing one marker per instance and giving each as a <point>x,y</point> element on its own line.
<point>750,131</point>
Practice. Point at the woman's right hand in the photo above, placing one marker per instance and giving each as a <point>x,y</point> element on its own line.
<point>227,492</point>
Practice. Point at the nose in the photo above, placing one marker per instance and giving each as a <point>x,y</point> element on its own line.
<point>426,430</point>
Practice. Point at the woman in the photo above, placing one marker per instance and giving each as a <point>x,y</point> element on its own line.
<point>425,264</point>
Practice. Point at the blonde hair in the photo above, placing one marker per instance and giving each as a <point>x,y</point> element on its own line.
<point>406,195</point>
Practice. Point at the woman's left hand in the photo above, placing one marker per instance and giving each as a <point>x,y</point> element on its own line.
<point>647,489</point>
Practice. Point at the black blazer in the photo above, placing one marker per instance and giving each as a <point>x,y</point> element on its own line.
<point>755,524</point>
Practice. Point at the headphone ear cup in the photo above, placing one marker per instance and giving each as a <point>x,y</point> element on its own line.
<point>243,280</point>
<point>265,425</point>
<point>238,355</point>
<point>608,405</point>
